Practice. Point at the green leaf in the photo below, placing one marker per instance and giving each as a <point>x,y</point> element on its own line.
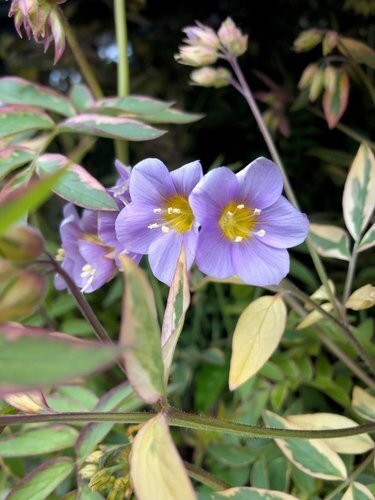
<point>12,158</point>
<point>26,199</point>
<point>81,96</point>
<point>121,398</point>
<point>358,491</point>
<point>368,240</point>
<point>31,358</point>
<point>359,191</point>
<point>134,104</point>
<point>335,101</point>
<point>172,116</point>
<point>14,90</point>
<point>113,127</point>
<point>38,441</point>
<point>330,241</point>
<point>245,493</point>
<point>77,185</point>
<point>16,119</point>
<point>174,316</point>
<point>40,482</point>
<point>140,334</point>
<point>357,50</point>
<point>313,457</point>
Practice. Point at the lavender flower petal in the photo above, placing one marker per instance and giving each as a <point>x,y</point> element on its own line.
<point>163,256</point>
<point>151,182</point>
<point>132,227</point>
<point>187,177</point>
<point>214,256</point>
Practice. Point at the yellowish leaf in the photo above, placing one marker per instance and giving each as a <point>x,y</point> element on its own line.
<point>363,298</point>
<point>28,402</point>
<point>314,316</point>
<point>256,336</point>
<point>335,99</point>
<point>321,293</point>
<point>346,445</point>
<point>156,469</point>
<point>363,403</point>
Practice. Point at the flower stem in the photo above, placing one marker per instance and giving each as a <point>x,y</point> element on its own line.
<point>353,476</point>
<point>246,92</point>
<point>82,61</point>
<point>350,273</point>
<point>178,418</point>
<point>122,152</point>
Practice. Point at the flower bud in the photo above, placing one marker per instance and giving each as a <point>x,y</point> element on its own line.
<point>307,76</point>
<point>201,35</point>
<point>102,480</point>
<point>199,55</point>
<point>210,77</point>
<point>317,85</point>
<point>330,78</point>
<point>21,244</point>
<point>232,37</point>
<point>21,295</point>
<point>94,457</point>
<point>88,471</point>
<point>121,489</point>
<point>7,270</point>
<point>307,40</point>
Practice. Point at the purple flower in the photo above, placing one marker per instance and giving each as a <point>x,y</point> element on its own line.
<point>87,260</point>
<point>159,220</point>
<point>246,224</point>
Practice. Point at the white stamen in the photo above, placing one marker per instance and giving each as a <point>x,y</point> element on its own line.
<point>157,210</point>
<point>257,211</point>
<point>238,239</point>
<point>170,210</point>
<point>261,233</point>
<point>229,214</point>
<point>60,255</point>
<point>241,206</point>
<point>155,225</point>
<point>176,211</point>
<point>165,229</point>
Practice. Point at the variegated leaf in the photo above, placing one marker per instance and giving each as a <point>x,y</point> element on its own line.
<point>15,119</point>
<point>77,185</point>
<point>363,403</point>
<point>368,240</point>
<point>140,334</point>
<point>245,493</point>
<point>358,491</point>
<point>133,104</point>
<point>330,241</point>
<point>359,192</point>
<point>156,468</point>
<point>363,298</point>
<point>256,336</point>
<point>172,116</point>
<point>13,157</point>
<point>311,456</point>
<point>114,127</point>
<point>335,101</point>
<point>14,90</point>
<point>314,316</point>
<point>346,445</point>
<point>174,316</point>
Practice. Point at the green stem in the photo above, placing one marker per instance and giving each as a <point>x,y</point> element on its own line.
<point>353,476</point>
<point>351,271</point>
<point>247,94</point>
<point>122,152</point>
<point>82,61</point>
<point>178,418</point>
<point>205,477</point>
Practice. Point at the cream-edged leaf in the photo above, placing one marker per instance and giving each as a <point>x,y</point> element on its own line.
<point>363,298</point>
<point>330,241</point>
<point>311,456</point>
<point>174,316</point>
<point>358,491</point>
<point>321,293</point>
<point>346,445</point>
<point>368,240</point>
<point>256,336</point>
<point>245,493</point>
<point>156,469</point>
<point>363,403</point>
<point>314,316</point>
<point>359,191</point>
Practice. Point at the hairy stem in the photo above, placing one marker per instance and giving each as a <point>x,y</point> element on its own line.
<point>82,61</point>
<point>178,418</point>
<point>122,152</point>
<point>247,94</point>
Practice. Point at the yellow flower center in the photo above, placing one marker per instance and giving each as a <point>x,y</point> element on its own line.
<point>239,221</point>
<point>176,214</point>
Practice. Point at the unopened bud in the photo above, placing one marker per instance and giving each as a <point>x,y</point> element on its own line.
<point>330,78</point>
<point>94,457</point>
<point>88,471</point>
<point>120,489</point>
<point>102,480</point>
<point>201,35</point>
<point>21,244</point>
<point>210,77</point>
<point>7,270</point>
<point>307,76</point>
<point>317,85</point>
<point>307,40</point>
<point>199,55</point>
<point>329,42</point>
<point>21,295</point>
<point>232,37</point>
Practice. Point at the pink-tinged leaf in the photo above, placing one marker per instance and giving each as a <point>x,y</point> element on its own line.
<point>15,119</point>
<point>14,90</point>
<point>360,52</point>
<point>81,96</point>
<point>336,101</point>
<point>33,358</point>
<point>133,104</point>
<point>77,185</point>
<point>174,316</point>
<point>140,334</point>
<point>174,116</point>
<point>28,402</point>
<point>13,157</point>
<point>113,127</point>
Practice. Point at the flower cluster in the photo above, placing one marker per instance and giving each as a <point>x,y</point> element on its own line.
<point>203,46</point>
<point>42,19</point>
<point>229,224</point>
